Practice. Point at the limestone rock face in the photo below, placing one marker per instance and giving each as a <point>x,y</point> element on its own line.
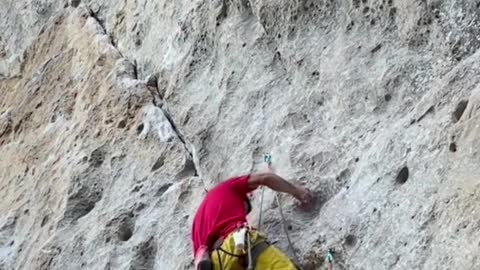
<point>116,116</point>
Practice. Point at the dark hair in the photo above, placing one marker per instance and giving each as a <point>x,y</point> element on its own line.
<point>249,205</point>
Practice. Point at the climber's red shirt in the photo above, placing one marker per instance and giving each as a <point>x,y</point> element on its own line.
<point>222,210</point>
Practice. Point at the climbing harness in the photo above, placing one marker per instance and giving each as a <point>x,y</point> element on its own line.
<point>267,158</point>
<point>251,253</point>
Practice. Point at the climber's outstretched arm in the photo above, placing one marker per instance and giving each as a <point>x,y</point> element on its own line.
<point>279,184</point>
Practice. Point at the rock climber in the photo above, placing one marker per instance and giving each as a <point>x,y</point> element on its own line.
<point>223,213</point>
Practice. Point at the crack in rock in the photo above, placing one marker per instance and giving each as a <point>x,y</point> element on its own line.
<point>192,162</point>
<point>191,158</point>
<point>94,15</point>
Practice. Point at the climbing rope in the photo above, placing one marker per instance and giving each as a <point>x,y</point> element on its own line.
<point>286,230</point>
<point>249,252</point>
<point>261,210</point>
<point>204,185</point>
<point>267,158</point>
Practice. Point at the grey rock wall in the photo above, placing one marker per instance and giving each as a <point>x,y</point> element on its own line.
<point>115,116</point>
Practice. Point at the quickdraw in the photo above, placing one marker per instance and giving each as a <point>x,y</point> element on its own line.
<point>329,258</point>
